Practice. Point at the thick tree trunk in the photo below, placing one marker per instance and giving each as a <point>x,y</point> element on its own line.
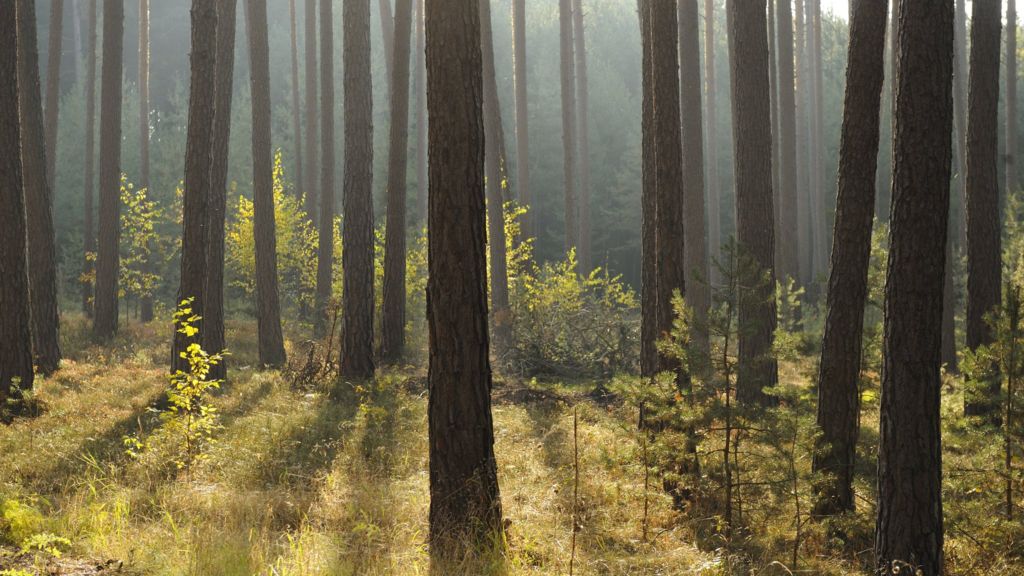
<point>300,180</point>
<point>568,92</point>
<point>788,205</point>
<point>583,135</point>
<point>695,259</point>
<point>268,306</point>
<point>1011,98</point>
<point>839,371</point>
<point>909,530</point>
<point>522,114</point>
<point>984,244</point>
<point>465,507</point>
<point>754,213</point>
<point>312,116</point>
<point>711,121</point>
<point>325,249</point>
<point>89,233</point>
<point>393,320</point>
<point>501,320</point>
<point>42,270</point>
<point>53,60</point>
<point>422,183</point>
<point>198,161</point>
<point>213,337</point>
<point>357,223</point>
<point>109,229</point>
<point>15,315</point>
<point>147,301</point>
<point>649,269</point>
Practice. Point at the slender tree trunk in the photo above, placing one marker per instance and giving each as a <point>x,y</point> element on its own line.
<point>393,321</point>
<point>312,116</point>
<point>15,314</point>
<point>788,204</point>
<point>839,371</point>
<point>583,136</point>
<point>909,531</point>
<point>959,114</point>
<point>465,507</point>
<point>805,239</point>
<point>198,161</point>
<point>522,114</point>
<point>1011,98</point>
<point>711,119</point>
<point>109,229</point>
<point>146,304</point>
<point>268,306</point>
<point>984,244</point>
<point>422,183</point>
<point>817,167</point>
<point>76,32</point>
<point>325,249</point>
<point>754,212</point>
<point>649,280</point>
<point>501,320</point>
<point>213,337</point>
<point>89,240</point>
<point>357,223</point>
<point>773,100</point>
<point>42,271</point>
<point>387,33</point>
<point>54,55</point>
<point>300,180</point>
<point>568,75</point>
<point>696,276</point>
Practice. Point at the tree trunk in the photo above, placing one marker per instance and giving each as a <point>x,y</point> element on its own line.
<point>501,320</point>
<point>649,281</point>
<point>839,371</point>
<point>522,115</point>
<point>695,254</point>
<point>357,223</point>
<point>773,100</point>
<point>387,34</point>
<point>984,245</point>
<point>213,337</point>
<point>198,161</point>
<point>960,52</point>
<point>1011,98</point>
<point>53,60</point>
<point>422,183</point>
<point>42,271</point>
<point>147,300</point>
<point>89,239</point>
<point>268,306</point>
<point>312,116</point>
<point>805,239</point>
<point>821,246</point>
<point>465,507</point>
<point>300,180</point>
<point>754,213</point>
<point>909,530</point>
<point>711,120</point>
<point>583,136</point>
<point>325,248</point>
<point>393,321</point>
<point>15,314</point>
<point>109,229</point>
<point>568,91</point>
<point>788,205</point>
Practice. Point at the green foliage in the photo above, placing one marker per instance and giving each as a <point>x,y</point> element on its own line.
<point>46,543</point>
<point>139,242</point>
<point>22,518</point>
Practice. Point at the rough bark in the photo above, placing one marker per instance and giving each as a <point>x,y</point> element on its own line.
<point>146,303</point>
<point>710,117</point>
<point>984,245</point>
<point>89,233</point>
<point>109,229</point>
<point>519,81</point>
<point>754,213</point>
<point>422,184</point>
<point>357,223</point>
<point>583,135</point>
<point>312,156</point>
<point>909,531</point>
<point>198,161</point>
<point>568,93</point>
<point>649,281</point>
<point>268,305</point>
<point>393,320</point>
<point>15,315</point>
<point>54,56</point>
<point>698,294</point>
<point>296,102</point>
<point>465,506</point>
<point>788,205</point>
<point>42,256</point>
<point>839,371</point>
<point>325,248</point>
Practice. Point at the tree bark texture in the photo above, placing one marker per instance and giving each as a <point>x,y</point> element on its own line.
<point>568,92</point>
<point>788,205</point>
<point>586,262</point>
<point>296,102</point>
<point>325,249</point>
<point>312,116</point>
<point>54,56</point>
<point>89,233</point>
<point>649,270</point>
<point>519,81</point>
<point>422,183</point>
<point>146,303</point>
<point>710,117</point>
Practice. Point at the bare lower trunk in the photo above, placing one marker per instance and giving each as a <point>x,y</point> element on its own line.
<point>89,239</point>
<point>422,184</point>
<point>582,136</point>
<point>711,120</point>
<point>300,180</point>
<point>147,299</point>
<point>311,168</point>
<point>53,61</point>
<point>522,114</point>
<point>649,281</point>
<point>568,92</point>
<point>788,205</point>
<point>325,249</point>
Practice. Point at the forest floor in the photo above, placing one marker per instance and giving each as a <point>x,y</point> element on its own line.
<point>331,480</point>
